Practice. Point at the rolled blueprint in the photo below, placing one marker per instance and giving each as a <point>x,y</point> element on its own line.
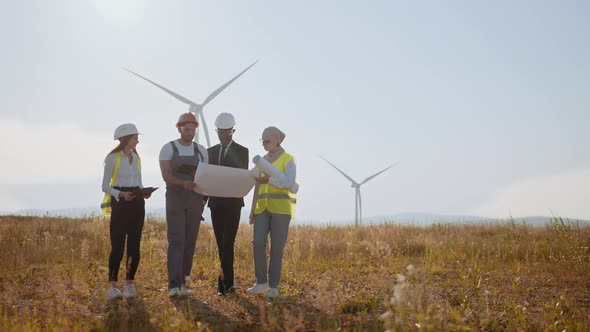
<point>269,169</point>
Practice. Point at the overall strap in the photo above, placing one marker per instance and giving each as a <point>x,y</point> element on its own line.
<point>198,152</point>
<point>174,149</point>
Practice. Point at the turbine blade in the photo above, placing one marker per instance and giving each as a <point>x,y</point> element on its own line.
<point>341,172</point>
<point>218,91</point>
<point>172,93</point>
<point>374,175</point>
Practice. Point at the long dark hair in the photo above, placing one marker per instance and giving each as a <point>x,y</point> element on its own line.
<point>122,142</point>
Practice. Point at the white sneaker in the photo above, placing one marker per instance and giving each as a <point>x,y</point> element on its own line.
<point>174,292</point>
<point>113,293</point>
<point>257,289</point>
<point>129,291</point>
<point>185,291</point>
<point>272,292</point>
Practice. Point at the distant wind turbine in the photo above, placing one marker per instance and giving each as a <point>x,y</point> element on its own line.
<point>357,190</point>
<point>195,107</point>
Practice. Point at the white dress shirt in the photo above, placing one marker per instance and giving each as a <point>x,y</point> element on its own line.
<point>129,174</point>
<point>287,179</point>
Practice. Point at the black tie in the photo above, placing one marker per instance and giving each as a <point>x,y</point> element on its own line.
<point>222,154</point>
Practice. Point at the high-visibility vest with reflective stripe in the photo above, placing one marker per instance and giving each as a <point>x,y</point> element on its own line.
<point>273,199</point>
<point>106,201</point>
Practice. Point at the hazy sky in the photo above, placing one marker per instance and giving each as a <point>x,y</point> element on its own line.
<point>486,104</point>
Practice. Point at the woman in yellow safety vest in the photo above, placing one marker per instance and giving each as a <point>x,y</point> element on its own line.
<point>125,204</point>
<point>273,210</point>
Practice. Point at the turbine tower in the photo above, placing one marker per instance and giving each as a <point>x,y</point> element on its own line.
<point>357,190</point>
<point>195,107</point>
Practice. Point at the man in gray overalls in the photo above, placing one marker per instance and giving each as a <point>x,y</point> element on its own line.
<point>184,207</point>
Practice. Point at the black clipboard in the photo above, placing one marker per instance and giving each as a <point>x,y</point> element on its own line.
<point>146,191</point>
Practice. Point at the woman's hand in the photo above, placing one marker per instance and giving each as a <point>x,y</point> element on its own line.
<point>251,221</point>
<point>127,196</point>
<point>262,179</point>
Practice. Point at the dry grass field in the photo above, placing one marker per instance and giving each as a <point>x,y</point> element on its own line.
<point>497,277</point>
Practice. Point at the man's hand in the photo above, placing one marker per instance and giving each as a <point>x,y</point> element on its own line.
<point>262,179</point>
<point>189,185</point>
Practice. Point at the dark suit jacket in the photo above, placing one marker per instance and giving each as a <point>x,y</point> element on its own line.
<point>237,157</point>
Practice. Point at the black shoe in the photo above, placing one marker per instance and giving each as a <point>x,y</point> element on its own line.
<point>220,286</point>
<point>231,290</point>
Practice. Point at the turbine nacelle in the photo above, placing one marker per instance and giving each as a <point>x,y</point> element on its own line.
<point>357,188</point>
<point>195,107</point>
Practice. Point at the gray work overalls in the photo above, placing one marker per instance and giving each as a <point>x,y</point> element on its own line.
<point>184,209</point>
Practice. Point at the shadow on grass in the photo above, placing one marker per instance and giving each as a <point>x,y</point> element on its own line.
<point>126,315</point>
<point>198,311</point>
<point>283,313</point>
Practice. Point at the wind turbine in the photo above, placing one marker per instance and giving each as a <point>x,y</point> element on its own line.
<point>357,190</point>
<point>195,107</point>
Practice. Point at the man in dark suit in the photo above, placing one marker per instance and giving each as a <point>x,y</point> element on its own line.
<point>225,212</point>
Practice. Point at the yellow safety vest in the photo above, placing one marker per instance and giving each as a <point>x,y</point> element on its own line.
<point>273,199</point>
<point>106,201</point>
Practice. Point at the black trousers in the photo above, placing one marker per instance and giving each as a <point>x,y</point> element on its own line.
<point>226,221</point>
<point>126,224</point>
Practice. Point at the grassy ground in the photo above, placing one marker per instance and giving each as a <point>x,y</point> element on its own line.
<point>497,277</point>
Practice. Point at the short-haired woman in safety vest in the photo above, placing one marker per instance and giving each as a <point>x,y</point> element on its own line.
<point>274,208</point>
<point>122,177</point>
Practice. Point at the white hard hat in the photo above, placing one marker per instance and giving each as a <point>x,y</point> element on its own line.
<point>225,121</point>
<point>125,130</point>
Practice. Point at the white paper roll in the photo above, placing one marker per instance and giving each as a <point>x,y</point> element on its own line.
<point>270,170</point>
<point>266,167</point>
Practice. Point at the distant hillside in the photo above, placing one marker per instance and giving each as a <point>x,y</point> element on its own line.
<point>69,212</point>
<point>406,218</point>
<point>427,219</point>
<point>419,218</point>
